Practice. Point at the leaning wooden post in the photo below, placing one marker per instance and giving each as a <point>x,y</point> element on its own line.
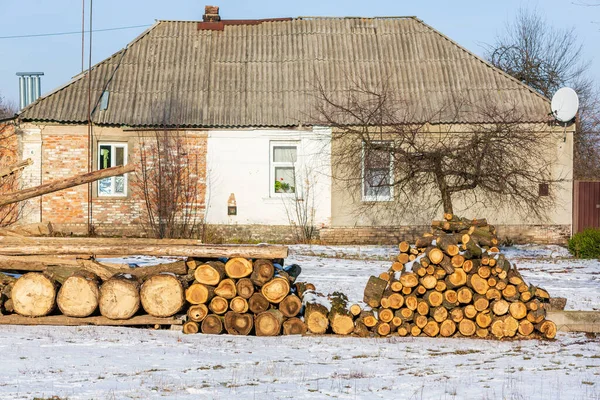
<point>55,186</point>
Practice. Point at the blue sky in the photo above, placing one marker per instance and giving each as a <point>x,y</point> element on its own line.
<point>471,23</point>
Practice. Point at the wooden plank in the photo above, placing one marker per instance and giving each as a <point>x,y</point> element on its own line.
<point>61,320</point>
<point>10,246</point>
<point>575,321</point>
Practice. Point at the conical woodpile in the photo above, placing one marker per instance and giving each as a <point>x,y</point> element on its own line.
<point>454,281</point>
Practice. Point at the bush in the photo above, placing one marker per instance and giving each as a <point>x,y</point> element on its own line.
<point>585,244</point>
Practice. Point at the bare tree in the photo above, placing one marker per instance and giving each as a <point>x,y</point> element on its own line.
<point>411,159</point>
<point>171,181</point>
<point>300,206</point>
<point>11,213</point>
<point>547,58</point>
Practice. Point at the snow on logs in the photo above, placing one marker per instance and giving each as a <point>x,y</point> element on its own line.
<point>452,282</point>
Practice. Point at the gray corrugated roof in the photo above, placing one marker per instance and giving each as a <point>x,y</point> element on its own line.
<point>264,74</point>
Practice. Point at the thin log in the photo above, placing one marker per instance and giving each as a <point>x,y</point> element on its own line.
<point>122,247</point>
<point>55,186</point>
<point>191,327</point>
<point>197,312</point>
<point>262,272</point>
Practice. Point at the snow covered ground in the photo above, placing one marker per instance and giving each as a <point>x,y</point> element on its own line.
<point>116,363</point>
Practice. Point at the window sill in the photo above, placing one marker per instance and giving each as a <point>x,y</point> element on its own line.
<point>112,197</point>
<point>377,199</point>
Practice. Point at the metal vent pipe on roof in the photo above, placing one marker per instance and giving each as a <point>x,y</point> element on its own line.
<point>30,87</point>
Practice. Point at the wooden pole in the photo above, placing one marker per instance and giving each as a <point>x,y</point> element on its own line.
<point>55,186</point>
<point>121,247</point>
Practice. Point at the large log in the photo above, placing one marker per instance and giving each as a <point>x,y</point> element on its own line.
<point>162,295</point>
<point>55,186</point>
<point>78,295</point>
<point>11,246</point>
<point>33,295</point>
<point>63,320</point>
<point>119,297</point>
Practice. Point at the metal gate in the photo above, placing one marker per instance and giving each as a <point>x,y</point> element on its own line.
<point>586,205</point>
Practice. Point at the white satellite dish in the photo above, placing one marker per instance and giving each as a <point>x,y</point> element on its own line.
<point>565,104</point>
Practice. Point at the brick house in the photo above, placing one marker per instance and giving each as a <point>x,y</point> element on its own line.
<point>243,92</point>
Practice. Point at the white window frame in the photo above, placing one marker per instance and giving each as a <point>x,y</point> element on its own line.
<point>273,165</point>
<point>113,145</point>
<point>365,197</point>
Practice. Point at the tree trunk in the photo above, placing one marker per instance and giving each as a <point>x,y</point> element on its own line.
<point>238,323</point>
<point>162,295</point>
<point>33,295</point>
<point>212,324</point>
<point>268,323</point>
<point>226,289</point>
<point>239,305</point>
<point>119,297</point>
<point>245,288</point>
<point>258,303</point>
<point>218,305</point>
<point>276,290</point>
<point>290,306</point>
<point>374,291</point>
<point>210,273</point>
<point>78,295</point>
<point>294,326</point>
<point>197,312</point>
<point>262,272</point>
<point>238,267</point>
<point>199,293</point>
<point>122,247</point>
<point>191,327</point>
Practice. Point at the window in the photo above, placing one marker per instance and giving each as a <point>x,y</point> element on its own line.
<point>283,167</point>
<point>544,190</point>
<point>377,171</point>
<point>112,155</point>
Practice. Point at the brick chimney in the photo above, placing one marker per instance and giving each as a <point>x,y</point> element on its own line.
<point>211,14</point>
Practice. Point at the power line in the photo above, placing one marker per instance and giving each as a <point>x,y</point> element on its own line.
<point>73,33</point>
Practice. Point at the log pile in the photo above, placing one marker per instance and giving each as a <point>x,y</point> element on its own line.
<point>454,282</point>
<point>243,296</point>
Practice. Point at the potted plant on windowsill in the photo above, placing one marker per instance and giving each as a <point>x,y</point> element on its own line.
<point>283,187</point>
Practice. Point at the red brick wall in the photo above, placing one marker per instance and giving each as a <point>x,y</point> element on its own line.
<point>65,155</point>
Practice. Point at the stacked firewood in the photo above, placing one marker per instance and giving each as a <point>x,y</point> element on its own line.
<point>83,288</point>
<point>454,281</point>
<point>241,296</point>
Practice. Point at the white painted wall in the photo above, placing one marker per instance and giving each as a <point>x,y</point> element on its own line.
<point>238,162</point>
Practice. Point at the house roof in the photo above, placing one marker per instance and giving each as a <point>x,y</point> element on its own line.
<point>263,73</point>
